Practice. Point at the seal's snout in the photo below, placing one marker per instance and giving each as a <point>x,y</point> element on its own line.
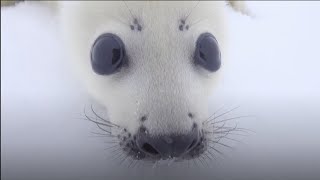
<point>167,146</point>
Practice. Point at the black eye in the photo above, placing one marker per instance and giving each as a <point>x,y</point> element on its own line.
<point>207,52</point>
<point>107,54</point>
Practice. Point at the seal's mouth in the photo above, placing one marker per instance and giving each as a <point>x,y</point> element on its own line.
<point>147,152</point>
<point>214,135</point>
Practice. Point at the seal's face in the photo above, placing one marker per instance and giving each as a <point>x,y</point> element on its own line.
<point>152,65</point>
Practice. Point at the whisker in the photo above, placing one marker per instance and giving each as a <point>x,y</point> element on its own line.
<point>111,142</point>
<point>96,114</point>
<point>222,144</point>
<point>231,130</point>
<point>118,149</point>
<point>97,123</point>
<point>118,158</point>
<point>236,134</point>
<point>239,130</point>
<point>216,150</point>
<point>208,156</point>
<point>113,156</point>
<point>124,159</point>
<point>215,128</point>
<point>195,163</point>
<point>213,114</point>
<point>205,161</point>
<point>199,158</point>
<point>84,118</point>
<point>121,20</point>
<point>103,124</point>
<point>99,136</point>
<point>225,113</point>
<point>192,11</point>
<point>103,129</point>
<point>191,25</point>
<point>91,119</point>
<point>224,120</point>
<point>221,134</point>
<point>226,128</point>
<point>102,134</point>
<point>222,129</point>
<point>135,163</point>
<point>111,147</point>
<point>225,135</point>
<point>231,139</point>
<point>131,162</point>
<point>212,155</point>
<point>128,9</point>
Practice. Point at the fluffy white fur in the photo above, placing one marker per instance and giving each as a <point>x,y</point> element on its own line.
<point>161,81</point>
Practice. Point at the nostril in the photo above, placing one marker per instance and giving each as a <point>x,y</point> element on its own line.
<point>190,115</point>
<point>167,145</point>
<point>149,149</point>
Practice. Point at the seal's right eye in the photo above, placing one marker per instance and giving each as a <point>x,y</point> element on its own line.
<point>107,54</point>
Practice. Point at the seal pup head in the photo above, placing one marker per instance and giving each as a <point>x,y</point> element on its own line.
<point>152,65</point>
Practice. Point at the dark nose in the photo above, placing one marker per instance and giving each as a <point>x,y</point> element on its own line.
<point>166,146</point>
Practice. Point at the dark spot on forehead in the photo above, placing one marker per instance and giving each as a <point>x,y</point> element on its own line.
<point>139,27</point>
<point>181,27</point>
<point>135,21</point>
<point>136,25</point>
<point>143,118</point>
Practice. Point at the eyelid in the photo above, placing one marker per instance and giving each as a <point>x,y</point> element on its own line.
<point>204,35</point>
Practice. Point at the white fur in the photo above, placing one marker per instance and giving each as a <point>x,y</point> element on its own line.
<point>161,80</point>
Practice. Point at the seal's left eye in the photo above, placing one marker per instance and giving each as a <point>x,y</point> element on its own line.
<point>107,54</point>
<point>207,52</point>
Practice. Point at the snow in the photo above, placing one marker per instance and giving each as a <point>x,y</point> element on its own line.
<point>273,74</point>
